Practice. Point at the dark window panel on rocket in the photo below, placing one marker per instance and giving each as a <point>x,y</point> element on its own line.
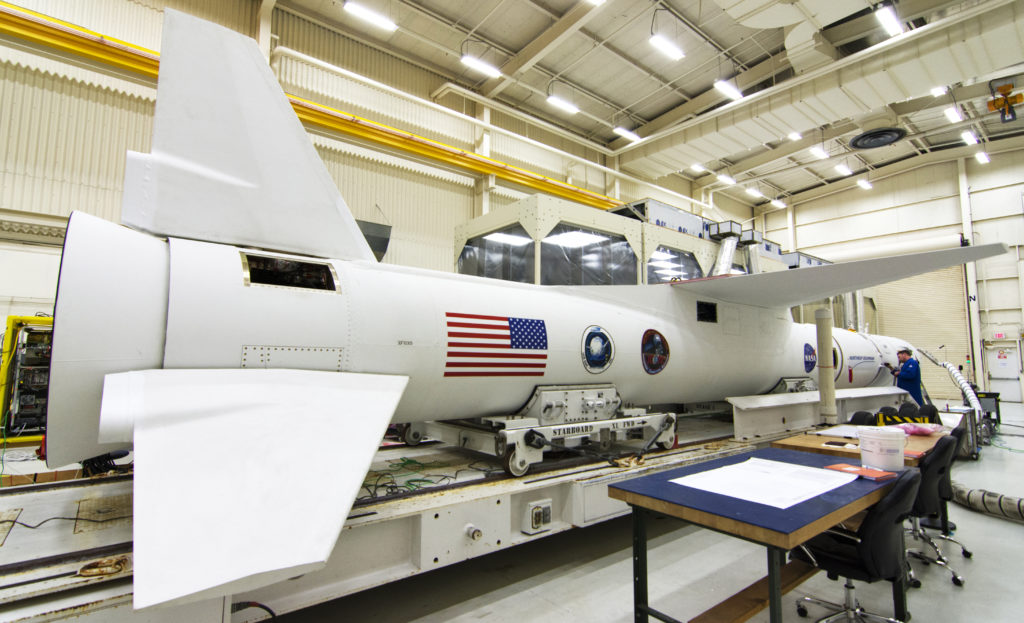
<point>287,272</point>
<point>707,312</point>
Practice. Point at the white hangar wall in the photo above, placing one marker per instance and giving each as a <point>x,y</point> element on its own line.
<point>917,210</point>
<point>65,128</point>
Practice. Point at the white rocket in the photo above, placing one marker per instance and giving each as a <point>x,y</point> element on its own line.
<point>239,334</point>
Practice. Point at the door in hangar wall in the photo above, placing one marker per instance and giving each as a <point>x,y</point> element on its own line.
<point>1004,369</point>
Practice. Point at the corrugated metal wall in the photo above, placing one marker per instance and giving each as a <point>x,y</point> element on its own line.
<point>422,204</point>
<point>63,143</point>
<point>929,310</point>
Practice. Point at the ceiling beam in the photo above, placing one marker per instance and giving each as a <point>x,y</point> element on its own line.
<point>996,147</point>
<point>574,19</point>
<point>712,97</point>
<point>789,148</point>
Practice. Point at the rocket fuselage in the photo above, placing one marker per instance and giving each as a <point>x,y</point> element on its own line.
<point>470,346</point>
<point>436,328</point>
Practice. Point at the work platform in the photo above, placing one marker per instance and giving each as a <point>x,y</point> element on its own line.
<point>421,508</point>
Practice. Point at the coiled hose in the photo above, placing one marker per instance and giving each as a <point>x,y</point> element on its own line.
<point>965,387</point>
<point>995,504</point>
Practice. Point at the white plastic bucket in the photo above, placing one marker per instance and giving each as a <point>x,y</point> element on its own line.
<point>882,448</point>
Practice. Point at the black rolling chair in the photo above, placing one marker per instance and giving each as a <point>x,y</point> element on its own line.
<point>942,523</point>
<point>908,410</point>
<point>874,552</point>
<point>931,413</point>
<point>863,418</point>
<point>934,469</point>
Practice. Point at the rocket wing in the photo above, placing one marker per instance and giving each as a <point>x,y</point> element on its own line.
<point>803,285</point>
<point>243,478</point>
<point>230,161</point>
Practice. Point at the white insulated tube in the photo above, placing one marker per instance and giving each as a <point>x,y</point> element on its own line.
<point>826,369</point>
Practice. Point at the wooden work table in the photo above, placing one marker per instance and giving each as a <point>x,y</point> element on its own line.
<point>847,448</point>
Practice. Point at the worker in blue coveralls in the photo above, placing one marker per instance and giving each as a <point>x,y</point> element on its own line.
<point>908,375</point>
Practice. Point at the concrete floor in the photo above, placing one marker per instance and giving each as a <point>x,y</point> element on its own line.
<point>585,574</point>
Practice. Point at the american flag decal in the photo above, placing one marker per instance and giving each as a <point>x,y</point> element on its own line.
<point>495,346</point>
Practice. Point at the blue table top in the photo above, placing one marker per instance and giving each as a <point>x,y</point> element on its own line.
<point>786,520</point>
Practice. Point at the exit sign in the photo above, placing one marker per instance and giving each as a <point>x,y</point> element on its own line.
<point>999,336</point>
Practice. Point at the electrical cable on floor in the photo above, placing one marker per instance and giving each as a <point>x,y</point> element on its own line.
<point>243,605</point>
<point>89,519</point>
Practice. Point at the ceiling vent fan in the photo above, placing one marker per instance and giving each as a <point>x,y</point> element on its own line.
<point>878,129</point>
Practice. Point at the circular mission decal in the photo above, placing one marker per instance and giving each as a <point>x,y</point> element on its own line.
<point>654,351</point>
<point>598,349</point>
<point>810,358</point>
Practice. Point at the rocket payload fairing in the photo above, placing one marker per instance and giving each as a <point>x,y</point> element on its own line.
<point>245,298</point>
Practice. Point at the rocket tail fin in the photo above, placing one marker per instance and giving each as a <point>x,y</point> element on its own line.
<point>803,285</point>
<point>224,502</point>
<point>230,161</point>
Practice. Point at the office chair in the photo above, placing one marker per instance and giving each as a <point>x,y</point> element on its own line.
<point>908,410</point>
<point>934,468</point>
<point>863,418</point>
<point>874,552</point>
<point>930,412</point>
<point>942,523</point>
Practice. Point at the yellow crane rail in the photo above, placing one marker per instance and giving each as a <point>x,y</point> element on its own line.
<point>43,30</point>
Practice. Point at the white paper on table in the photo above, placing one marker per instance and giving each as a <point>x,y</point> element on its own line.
<point>848,431</point>
<point>773,483</point>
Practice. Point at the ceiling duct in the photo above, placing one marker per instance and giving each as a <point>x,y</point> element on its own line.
<point>803,20</point>
<point>879,128</point>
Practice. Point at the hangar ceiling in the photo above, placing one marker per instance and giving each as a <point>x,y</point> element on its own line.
<point>812,74</point>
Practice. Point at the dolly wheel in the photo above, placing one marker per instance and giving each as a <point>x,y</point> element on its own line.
<point>514,465</point>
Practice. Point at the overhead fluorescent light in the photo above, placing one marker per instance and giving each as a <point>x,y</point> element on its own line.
<point>574,239</point>
<point>697,167</point>
<point>663,264</point>
<point>661,255</point>
<point>777,203</point>
<point>370,16</point>
<point>725,179</point>
<point>953,114</point>
<point>887,18</point>
<point>818,152</point>
<point>969,137</point>
<point>509,239</point>
<point>728,90</point>
<point>753,192</point>
<point>482,66</point>
<point>595,2</point>
<point>666,47</point>
<point>866,185</point>
<point>938,91</point>
<point>795,136</point>
<point>670,272</point>
<point>562,104</point>
<point>842,169</point>
<point>981,157</point>
<point>624,133</point>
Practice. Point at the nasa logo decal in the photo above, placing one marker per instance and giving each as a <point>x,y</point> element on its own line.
<point>654,351</point>
<point>598,349</point>
<point>810,358</point>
